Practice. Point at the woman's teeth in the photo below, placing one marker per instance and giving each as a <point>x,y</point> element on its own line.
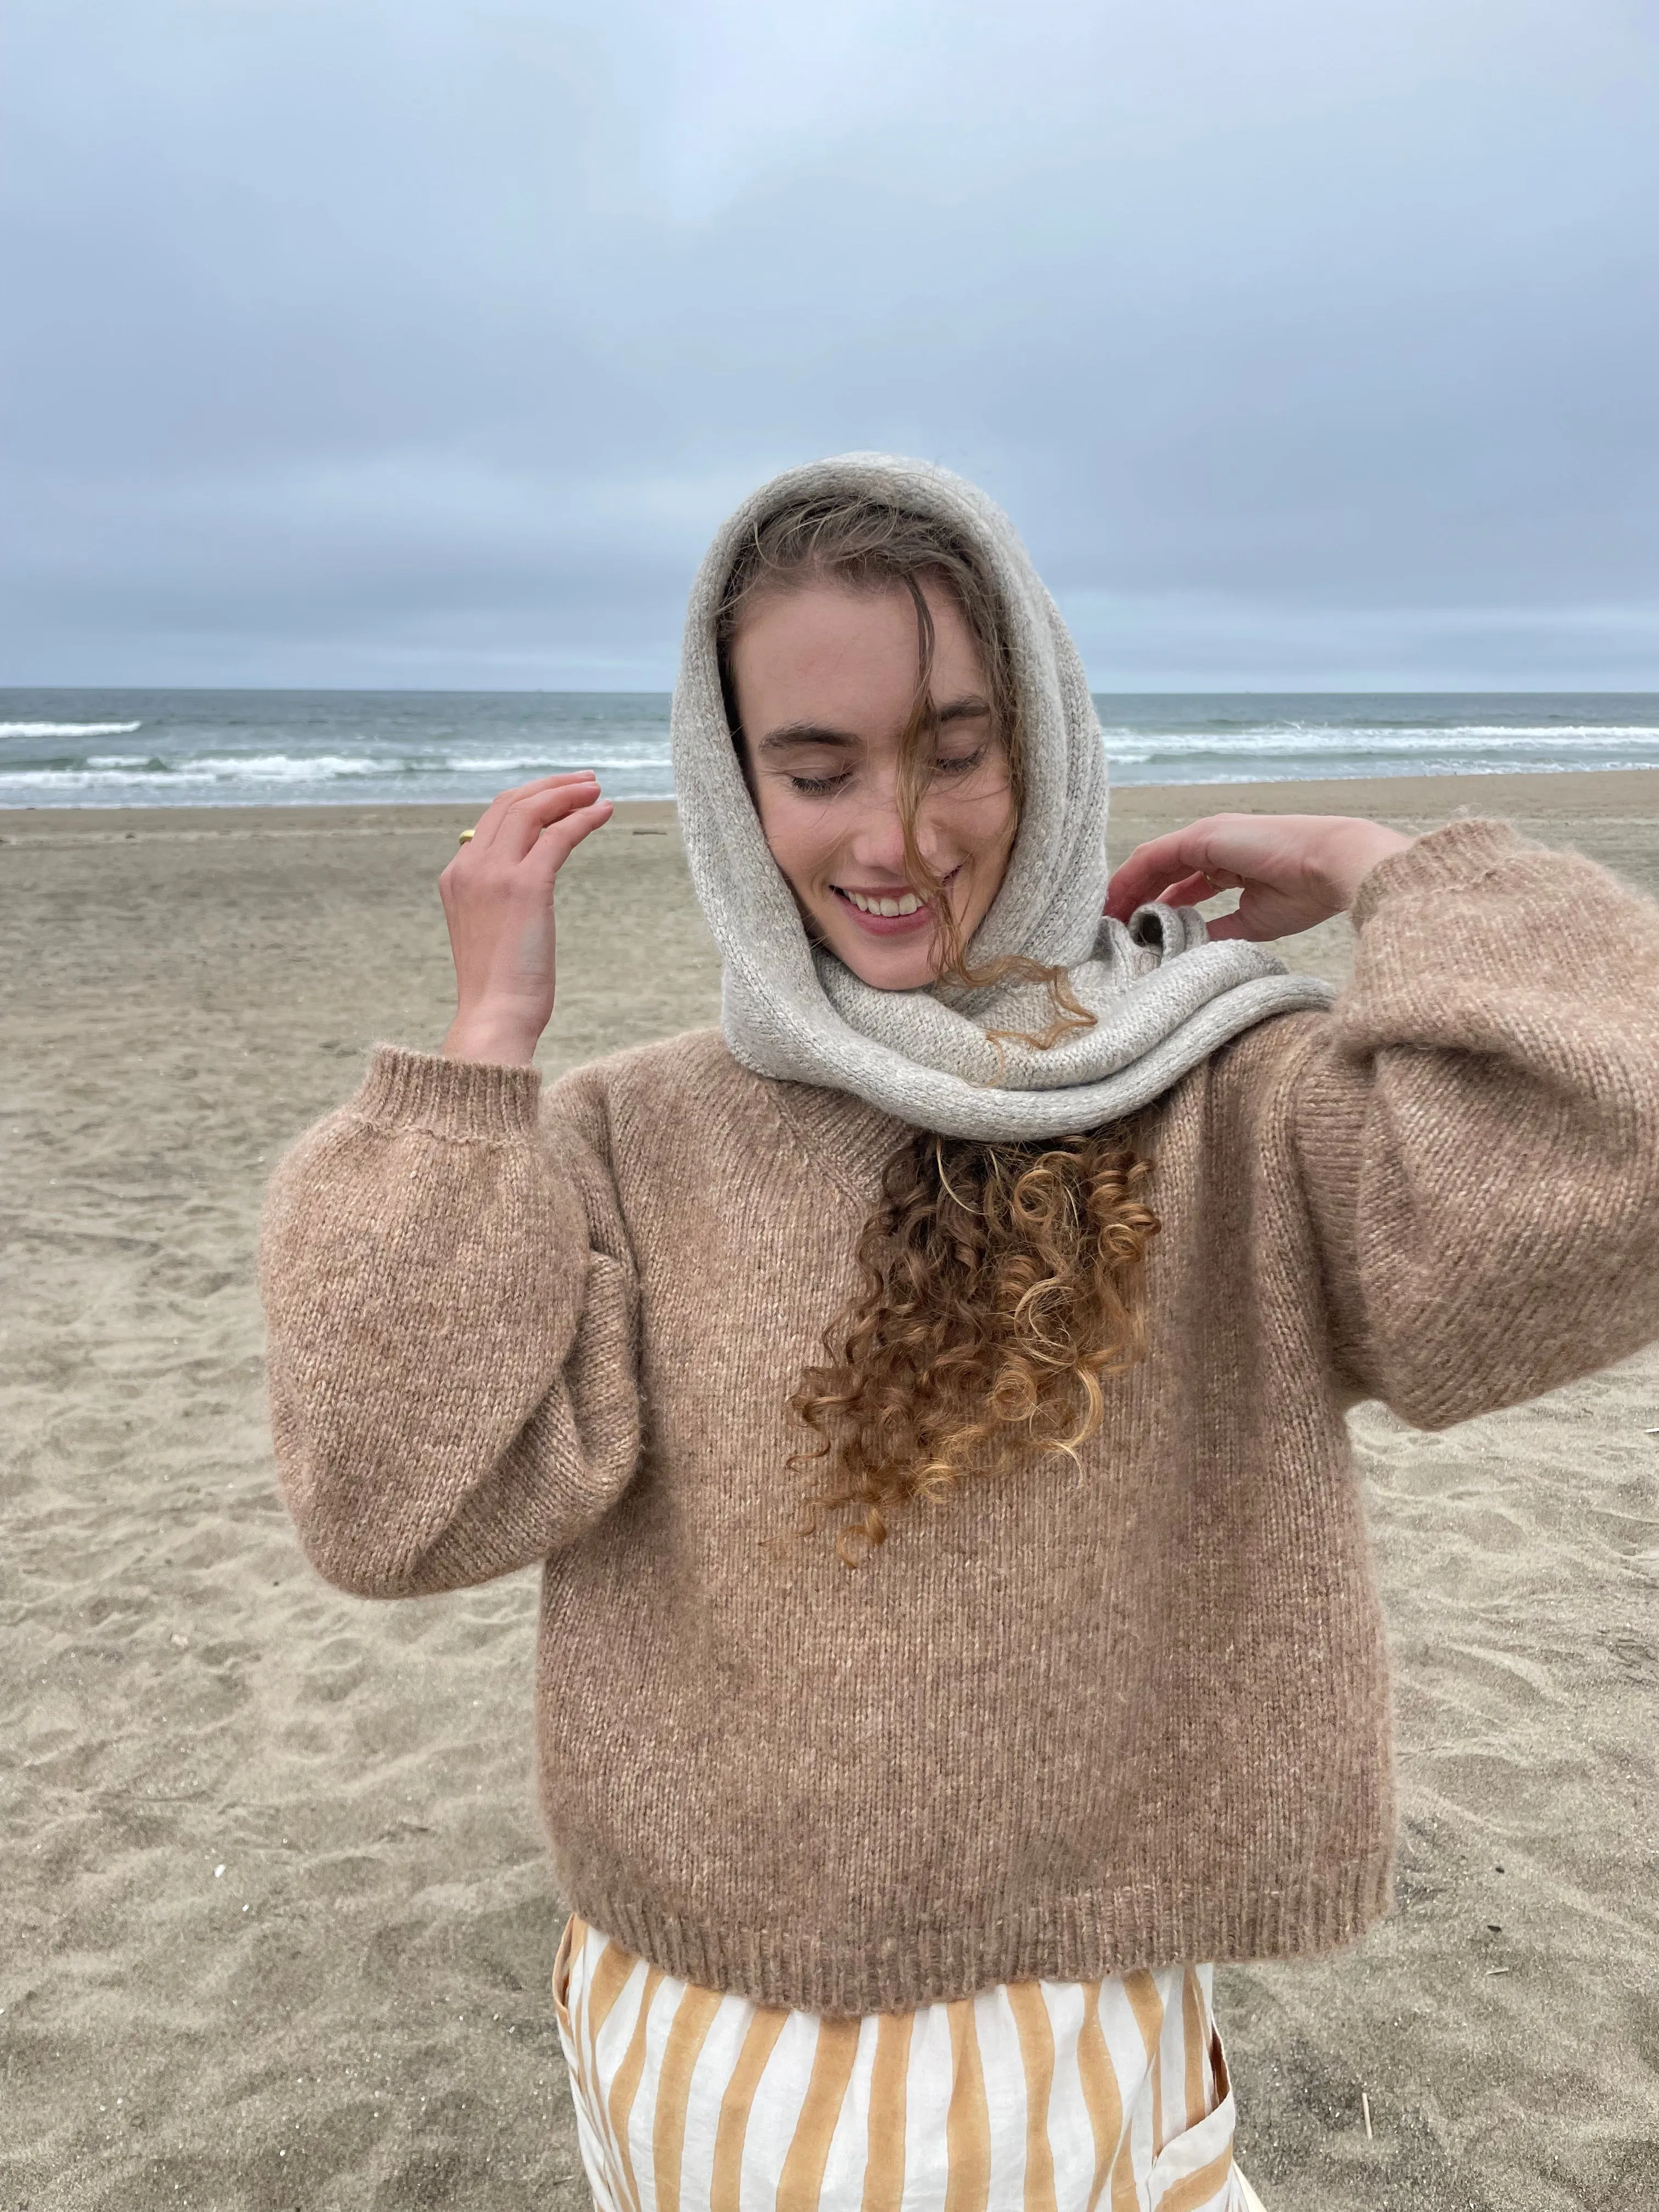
<point>906,904</point>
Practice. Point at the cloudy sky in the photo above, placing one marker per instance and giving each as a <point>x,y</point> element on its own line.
<point>425,342</point>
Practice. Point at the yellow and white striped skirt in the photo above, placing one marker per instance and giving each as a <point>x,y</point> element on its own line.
<point>1106,2096</point>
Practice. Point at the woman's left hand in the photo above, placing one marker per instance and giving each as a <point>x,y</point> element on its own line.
<point>1294,870</point>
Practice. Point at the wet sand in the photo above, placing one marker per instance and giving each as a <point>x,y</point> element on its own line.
<point>276,1924</point>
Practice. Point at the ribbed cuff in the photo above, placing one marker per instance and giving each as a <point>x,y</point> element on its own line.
<point>1451,858</point>
<point>457,1098</point>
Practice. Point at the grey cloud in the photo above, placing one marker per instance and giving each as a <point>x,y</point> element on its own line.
<point>364,344</point>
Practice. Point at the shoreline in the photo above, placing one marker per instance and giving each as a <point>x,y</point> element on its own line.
<point>1543,795</point>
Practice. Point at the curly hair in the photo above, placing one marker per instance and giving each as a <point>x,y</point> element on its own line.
<point>1000,1280</point>
<point>999,1294</point>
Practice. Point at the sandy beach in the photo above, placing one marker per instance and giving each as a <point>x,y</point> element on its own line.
<point>276,1922</point>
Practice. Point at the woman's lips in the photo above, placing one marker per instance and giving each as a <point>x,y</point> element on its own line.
<point>886,924</point>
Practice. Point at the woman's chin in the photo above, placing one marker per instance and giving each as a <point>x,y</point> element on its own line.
<point>890,964</point>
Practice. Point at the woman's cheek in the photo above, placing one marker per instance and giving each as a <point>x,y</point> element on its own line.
<point>801,847</point>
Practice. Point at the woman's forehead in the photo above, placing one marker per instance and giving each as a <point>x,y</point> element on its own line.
<point>825,640</point>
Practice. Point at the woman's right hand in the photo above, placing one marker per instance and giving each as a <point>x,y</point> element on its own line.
<point>498,901</point>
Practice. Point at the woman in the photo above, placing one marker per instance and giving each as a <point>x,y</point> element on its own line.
<point>925,1396</point>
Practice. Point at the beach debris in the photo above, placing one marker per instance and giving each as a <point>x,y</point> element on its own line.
<point>217,1871</point>
<point>1651,1432</point>
<point>1496,1970</point>
<point>1366,2108</point>
<point>179,1641</point>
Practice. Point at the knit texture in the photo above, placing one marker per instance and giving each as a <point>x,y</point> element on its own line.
<point>1071,1721</point>
<point>1163,998</point>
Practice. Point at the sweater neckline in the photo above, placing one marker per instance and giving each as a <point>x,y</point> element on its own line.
<point>847,1140</point>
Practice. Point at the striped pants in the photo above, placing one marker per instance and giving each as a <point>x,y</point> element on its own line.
<point>1033,2097</point>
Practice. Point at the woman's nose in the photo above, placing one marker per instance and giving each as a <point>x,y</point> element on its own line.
<point>878,842</point>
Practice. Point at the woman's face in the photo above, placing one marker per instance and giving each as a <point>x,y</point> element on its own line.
<point>825,678</point>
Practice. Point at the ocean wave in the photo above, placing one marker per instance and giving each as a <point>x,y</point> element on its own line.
<point>1292,768</point>
<point>354,751</point>
<point>1311,748</point>
<point>67,729</point>
<point>107,769</point>
<point>530,765</point>
<point>1391,737</point>
<point>299,767</point>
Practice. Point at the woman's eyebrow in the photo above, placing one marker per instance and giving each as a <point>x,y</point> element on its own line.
<point>805,733</point>
<point>969,708</point>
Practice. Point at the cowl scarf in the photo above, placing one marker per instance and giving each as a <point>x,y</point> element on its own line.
<point>1163,996</point>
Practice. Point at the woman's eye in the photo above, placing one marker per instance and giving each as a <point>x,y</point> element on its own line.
<point>819,786</point>
<point>958,763</point>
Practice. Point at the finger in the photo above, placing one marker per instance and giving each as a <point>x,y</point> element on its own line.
<point>525,820</point>
<point>1226,847</point>
<point>560,839</point>
<point>488,826</point>
<point>1151,868</point>
<point>1189,892</point>
<point>1232,925</point>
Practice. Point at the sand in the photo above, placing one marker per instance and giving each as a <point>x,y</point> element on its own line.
<point>276,1924</point>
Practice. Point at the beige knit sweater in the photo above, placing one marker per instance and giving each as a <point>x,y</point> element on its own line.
<point>1068,1722</point>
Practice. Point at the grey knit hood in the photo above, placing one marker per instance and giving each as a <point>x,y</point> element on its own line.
<point>1163,997</point>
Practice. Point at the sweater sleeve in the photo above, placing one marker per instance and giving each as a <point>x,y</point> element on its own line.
<point>450,1306</point>
<point>1478,1127</point>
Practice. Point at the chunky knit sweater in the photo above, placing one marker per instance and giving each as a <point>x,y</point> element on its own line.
<point>1073,1719</point>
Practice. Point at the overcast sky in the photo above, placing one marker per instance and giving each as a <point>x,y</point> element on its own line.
<point>1310,343</point>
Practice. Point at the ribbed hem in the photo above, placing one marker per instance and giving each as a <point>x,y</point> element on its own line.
<point>889,1968</point>
<point>1455,856</point>
<point>462,1099</point>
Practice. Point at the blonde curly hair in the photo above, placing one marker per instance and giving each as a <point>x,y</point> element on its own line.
<point>1000,1296</point>
<point>1000,1281</point>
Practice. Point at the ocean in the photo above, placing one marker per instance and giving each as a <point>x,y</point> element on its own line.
<point>189,748</point>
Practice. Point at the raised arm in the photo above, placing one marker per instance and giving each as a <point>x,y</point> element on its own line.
<point>1475,1126</point>
<point>447,1282</point>
<point>1480,1130</point>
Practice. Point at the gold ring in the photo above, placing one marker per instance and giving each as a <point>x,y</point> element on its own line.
<point>466,836</point>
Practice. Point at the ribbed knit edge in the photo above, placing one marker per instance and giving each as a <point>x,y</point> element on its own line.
<point>1458,855</point>
<point>466,1100</point>
<point>1074,1939</point>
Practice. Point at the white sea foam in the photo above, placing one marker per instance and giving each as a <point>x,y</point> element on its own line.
<point>102,769</point>
<point>1399,737</point>
<point>504,763</point>
<point>113,769</point>
<point>67,729</point>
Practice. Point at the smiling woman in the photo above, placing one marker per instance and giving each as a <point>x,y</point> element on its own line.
<point>868,693</point>
<point>900,1884</point>
<point>865,669</point>
<point>828,796</point>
